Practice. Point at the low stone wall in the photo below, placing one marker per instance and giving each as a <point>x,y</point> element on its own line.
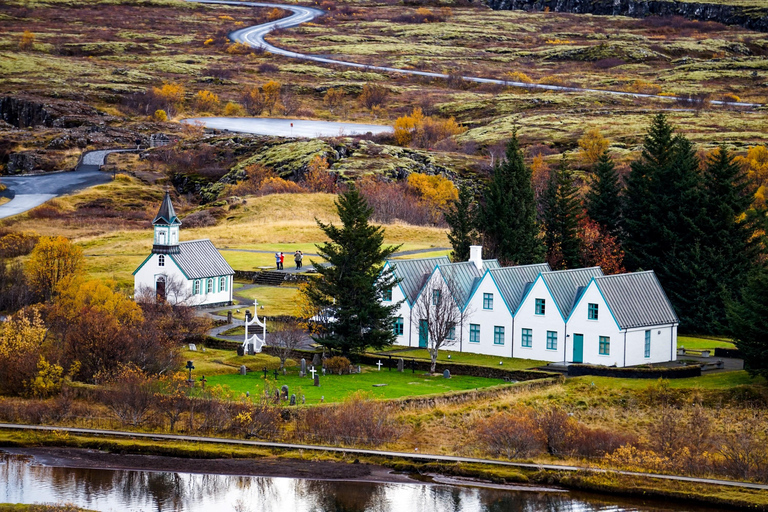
<point>681,372</point>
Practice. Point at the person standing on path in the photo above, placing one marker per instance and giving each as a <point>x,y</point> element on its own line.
<point>301,259</point>
<point>277,260</point>
<point>297,259</point>
<point>282,260</point>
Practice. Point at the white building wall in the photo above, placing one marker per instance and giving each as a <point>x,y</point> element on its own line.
<point>149,272</point>
<point>605,325</point>
<point>551,320</point>
<point>663,338</point>
<point>403,311</point>
<point>487,319</point>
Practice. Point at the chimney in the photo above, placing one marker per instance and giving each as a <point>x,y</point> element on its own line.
<point>476,255</point>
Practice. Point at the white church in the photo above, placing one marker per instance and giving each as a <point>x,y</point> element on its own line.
<point>192,273</point>
<point>532,312</point>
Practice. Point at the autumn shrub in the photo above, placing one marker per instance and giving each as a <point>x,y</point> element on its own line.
<point>511,434</point>
<point>232,109</point>
<point>393,201</point>
<point>201,219</point>
<point>420,15</point>
<point>517,76</point>
<point>600,248</point>
<point>729,97</point>
<point>170,96</point>
<point>53,260</point>
<point>337,364</point>
<point>14,243</point>
<point>260,420</point>
<point>642,87</point>
<point>334,99</point>
<point>373,95</point>
<point>423,131</point>
<point>129,394</point>
<point>356,421</point>
<point>318,178</point>
<point>15,289</point>
<point>279,186</point>
<point>252,178</point>
<point>592,145</point>
<point>160,116</point>
<point>21,344</point>
<point>27,41</point>
<point>206,101</point>
<point>238,49</point>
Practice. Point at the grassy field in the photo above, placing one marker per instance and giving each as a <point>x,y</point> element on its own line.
<point>697,343</point>
<point>509,363</point>
<point>334,388</point>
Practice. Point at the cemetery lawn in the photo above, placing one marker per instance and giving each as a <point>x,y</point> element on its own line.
<point>335,388</point>
<point>510,363</point>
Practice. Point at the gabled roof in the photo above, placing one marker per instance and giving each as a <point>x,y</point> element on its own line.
<point>566,286</point>
<point>414,273</point>
<point>636,299</point>
<point>166,213</point>
<point>513,282</point>
<point>462,278</point>
<point>199,259</point>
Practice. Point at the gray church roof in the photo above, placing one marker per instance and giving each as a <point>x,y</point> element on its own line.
<point>199,259</point>
<point>414,273</point>
<point>166,214</point>
<point>463,277</point>
<point>637,299</point>
<point>566,286</point>
<point>514,281</point>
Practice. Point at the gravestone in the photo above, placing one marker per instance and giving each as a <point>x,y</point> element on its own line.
<point>229,317</point>
<point>400,365</point>
<point>251,351</point>
<point>193,347</point>
<point>243,369</point>
<point>303,399</point>
<point>316,361</point>
<point>284,390</point>
<point>317,379</point>
<point>359,370</point>
<point>241,351</point>
<point>247,394</point>
<point>303,367</point>
<point>277,396</point>
<point>323,371</point>
<point>293,399</point>
<point>446,374</point>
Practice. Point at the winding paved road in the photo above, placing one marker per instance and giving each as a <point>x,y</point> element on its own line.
<point>288,127</point>
<point>254,37</point>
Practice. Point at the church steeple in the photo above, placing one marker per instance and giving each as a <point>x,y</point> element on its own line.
<point>166,225</point>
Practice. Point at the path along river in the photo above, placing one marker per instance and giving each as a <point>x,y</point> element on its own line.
<point>24,479</point>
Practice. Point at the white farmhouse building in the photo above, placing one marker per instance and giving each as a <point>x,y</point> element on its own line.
<point>192,273</point>
<point>532,312</point>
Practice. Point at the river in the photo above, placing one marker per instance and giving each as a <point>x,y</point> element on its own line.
<point>23,479</point>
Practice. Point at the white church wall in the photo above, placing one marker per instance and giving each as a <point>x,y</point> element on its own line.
<point>605,326</point>
<point>551,320</point>
<point>487,319</point>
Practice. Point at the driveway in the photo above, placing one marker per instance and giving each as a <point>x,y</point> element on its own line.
<point>288,127</point>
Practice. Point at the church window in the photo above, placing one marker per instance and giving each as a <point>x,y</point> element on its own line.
<point>161,260</point>
<point>161,237</point>
<point>197,287</point>
<point>209,287</point>
<point>222,284</point>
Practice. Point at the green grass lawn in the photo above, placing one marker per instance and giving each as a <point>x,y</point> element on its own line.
<point>467,358</point>
<point>335,387</point>
<point>277,300</point>
<point>697,343</point>
<point>721,380</point>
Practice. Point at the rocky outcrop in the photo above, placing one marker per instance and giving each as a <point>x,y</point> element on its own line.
<point>30,161</point>
<point>26,113</point>
<point>754,18</point>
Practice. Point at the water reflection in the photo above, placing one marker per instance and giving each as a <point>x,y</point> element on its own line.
<point>24,481</point>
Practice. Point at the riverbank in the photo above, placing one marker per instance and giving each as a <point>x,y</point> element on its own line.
<point>158,455</point>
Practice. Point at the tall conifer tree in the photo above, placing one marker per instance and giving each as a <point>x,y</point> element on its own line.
<point>349,290</point>
<point>748,320</point>
<point>561,219</point>
<point>507,217</point>
<point>461,219</point>
<point>603,199</point>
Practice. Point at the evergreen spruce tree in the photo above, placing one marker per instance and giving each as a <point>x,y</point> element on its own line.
<point>461,219</point>
<point>748,320</point>
<point>350,288</point>
<point>561,219</point>
<point>507,217</point>
<point>603,199</point>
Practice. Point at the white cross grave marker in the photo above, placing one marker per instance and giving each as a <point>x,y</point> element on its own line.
<point>379,364</point>
<point>313,372</point>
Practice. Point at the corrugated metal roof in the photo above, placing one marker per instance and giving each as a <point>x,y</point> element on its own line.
<point>462,278</point>
<point>566,285</point>
<point>413,273</point>
<point>199,258</point>
<point>166,214</point>
<point>513,281</point>
<point>637,299</point>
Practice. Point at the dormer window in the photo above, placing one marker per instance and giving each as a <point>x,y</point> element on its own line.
<point>161,260</point>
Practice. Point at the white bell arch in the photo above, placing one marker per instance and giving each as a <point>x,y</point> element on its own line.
<point>257,342</point>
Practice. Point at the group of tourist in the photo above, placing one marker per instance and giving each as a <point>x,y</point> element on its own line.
<point>298,256</point>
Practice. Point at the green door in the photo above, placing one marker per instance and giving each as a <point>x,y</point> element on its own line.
<point>423,334</point>
<point>578,348</point>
